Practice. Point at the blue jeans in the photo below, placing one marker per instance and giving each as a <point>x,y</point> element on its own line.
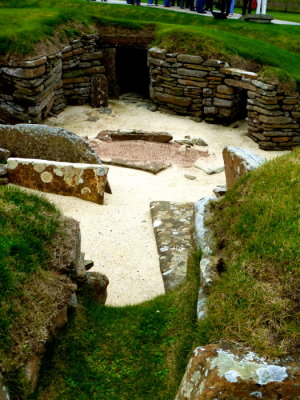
<point>200,5</point>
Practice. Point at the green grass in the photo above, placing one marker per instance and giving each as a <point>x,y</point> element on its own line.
<point>257,226</point>
<point>28,223</point>
<point>134,352</point>
<point>23,24</point>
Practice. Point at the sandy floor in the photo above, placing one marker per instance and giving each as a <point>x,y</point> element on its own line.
<point>118,236</point>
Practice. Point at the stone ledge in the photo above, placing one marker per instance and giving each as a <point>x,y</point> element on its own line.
<point>238,162</point>
<point>86,181</point>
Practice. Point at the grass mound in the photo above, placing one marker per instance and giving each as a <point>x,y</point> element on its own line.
<point>134,352</point>
<point>26,23</point>
<point>257,228</point>
<point>29,292</point>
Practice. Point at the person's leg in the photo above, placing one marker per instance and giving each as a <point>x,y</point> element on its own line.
<point>244,9</point>
<point>264,7</point>
<point>231,11</point>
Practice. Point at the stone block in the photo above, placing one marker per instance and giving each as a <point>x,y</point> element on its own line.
<point>190,72</point>
<point>186,58</point>
<point>86,181</point>
<point>238,162</point>
<point>276,120</point>
<point>24,73</point>
<point>239,73</point>
<point>176,100</point>
<point>240,84</point>
<point>27,63</point>
<point>4,155</point>
<point>157,53</point>
<point>224,89</point>
<point>44,142</point>
<point>99,91</point>
<point>95,286</point>
<point>223,103</point>
<point>229,371</point>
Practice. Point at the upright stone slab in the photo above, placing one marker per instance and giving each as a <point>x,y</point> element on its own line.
<point>172,226</point>
<point>46,143</point>
<point>239,162</point>
<point>86,181</point>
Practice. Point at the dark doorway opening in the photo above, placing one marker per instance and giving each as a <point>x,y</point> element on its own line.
<point>132,70</point>
<point>241,112</point>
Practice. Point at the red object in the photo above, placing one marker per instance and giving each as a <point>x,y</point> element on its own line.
<point>253,4</point>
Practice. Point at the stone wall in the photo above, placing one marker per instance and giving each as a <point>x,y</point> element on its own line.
<point>31,89</point>
<point>209,89</point>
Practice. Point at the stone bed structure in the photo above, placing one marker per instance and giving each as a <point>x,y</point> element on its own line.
<point>85,71</point>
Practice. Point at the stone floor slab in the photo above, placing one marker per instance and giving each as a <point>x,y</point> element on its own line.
<point>172,227</point>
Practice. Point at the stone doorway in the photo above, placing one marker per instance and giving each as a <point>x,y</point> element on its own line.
<point>132,70</point>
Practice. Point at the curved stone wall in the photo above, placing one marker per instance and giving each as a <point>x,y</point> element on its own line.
<point>209,89</point>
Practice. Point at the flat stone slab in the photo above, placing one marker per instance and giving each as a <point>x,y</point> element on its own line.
<point>133,134</point>
<point>147,166</point>
<point>86,181</point>
<point>172,227</point>
<point>209,166</point>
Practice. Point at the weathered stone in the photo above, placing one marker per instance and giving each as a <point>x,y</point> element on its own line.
<point>213,63</point>
<point>65,248</point>
<point>261,110</point>
<point>222,103</point>
<point>229,371</point>
<point>99,91</point>
<point>274,119</point>
<point>239,72</point>
<point>172,225</point>
<point>220,191</point>
<point>27,63</point>
<point>161,137</point>
<point>147,166</point>
<point>95,286</point>
<point>179,101</point>
<point>4,155</point>
<point>186,58</point>
<point>25,73</point>
<point>3,170</point>
<point>238,162</point>
<point>190,72</point>
<point>157,61</point>
<point>157,53</point>
<point>262,85</point>
<point>86,181</point>
<point>224,89</point>
<point>240,84</point>
<point>44,142</point>
<point>209,167</point>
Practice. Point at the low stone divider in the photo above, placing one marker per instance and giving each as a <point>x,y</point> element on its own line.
<point>238,162</point>
<point>86,181</point>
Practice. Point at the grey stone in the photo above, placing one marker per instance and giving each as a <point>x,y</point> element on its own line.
<point>95,286</point>
<point>3,170</point>
<point>172,224</point>
<point>47,143</point>
<point>4,154</point>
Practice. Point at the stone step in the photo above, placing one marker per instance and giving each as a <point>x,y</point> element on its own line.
<point>172,223</point>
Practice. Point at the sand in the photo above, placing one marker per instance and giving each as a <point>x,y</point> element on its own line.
<point>118,236</point>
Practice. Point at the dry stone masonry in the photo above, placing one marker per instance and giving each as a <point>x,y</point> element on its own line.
<point>32,89</point>
<point>209,89</point>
